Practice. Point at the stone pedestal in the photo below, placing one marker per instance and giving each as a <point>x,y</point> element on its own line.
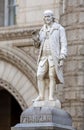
<point>47,103</point>
<point>44,118</point>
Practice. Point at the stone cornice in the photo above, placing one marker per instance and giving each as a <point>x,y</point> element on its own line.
<point>17,42</point>
<point>17,32</point>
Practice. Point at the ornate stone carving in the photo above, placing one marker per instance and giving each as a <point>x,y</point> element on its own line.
<point>9,55</point>
<point>16,32</point>
<point>14,92</point>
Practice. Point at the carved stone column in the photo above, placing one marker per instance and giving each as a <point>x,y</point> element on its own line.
<point>72,18</point>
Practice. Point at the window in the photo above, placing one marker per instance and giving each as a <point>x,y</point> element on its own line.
<point>1,13</point>
<point>10,12</point>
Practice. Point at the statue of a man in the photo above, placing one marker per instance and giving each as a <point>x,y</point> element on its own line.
<point>53,50</point>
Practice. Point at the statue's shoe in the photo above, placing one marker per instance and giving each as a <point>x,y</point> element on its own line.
<point>51,99</point>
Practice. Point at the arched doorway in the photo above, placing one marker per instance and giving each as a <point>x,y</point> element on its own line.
<point>10,110</point>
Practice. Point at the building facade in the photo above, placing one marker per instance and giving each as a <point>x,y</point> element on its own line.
<point>18,57</point>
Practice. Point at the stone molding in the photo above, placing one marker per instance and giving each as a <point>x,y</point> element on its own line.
<point>9,55</point>
<point>17,32</point>
<point>14,92</point>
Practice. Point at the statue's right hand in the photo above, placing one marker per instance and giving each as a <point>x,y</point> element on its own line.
<point>35,35</point>
<point>35,38</point>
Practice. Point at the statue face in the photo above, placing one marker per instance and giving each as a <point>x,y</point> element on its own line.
<point>48,19</point>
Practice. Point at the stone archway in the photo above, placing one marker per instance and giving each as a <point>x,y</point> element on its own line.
<point>7,86</point>
<point>17,76</point>
<point>15,82</point>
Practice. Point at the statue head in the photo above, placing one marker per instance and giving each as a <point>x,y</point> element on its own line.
<point>48,16</point>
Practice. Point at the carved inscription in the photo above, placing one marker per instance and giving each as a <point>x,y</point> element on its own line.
<point>36,118</point>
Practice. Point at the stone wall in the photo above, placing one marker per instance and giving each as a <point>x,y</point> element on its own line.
<point>72,18</point>
<point>31,12</point>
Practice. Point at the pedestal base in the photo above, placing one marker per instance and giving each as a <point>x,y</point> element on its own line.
<point>44,118</point>
<point>41,126</point>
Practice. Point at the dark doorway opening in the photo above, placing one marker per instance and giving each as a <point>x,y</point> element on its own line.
<point>10,110</point>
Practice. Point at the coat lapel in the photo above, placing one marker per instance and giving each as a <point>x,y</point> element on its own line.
<point>54,27</point>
